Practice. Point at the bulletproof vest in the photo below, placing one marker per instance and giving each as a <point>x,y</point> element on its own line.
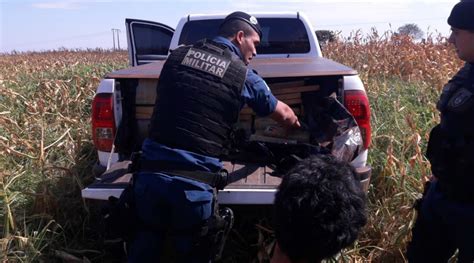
<point>198,98</point>
<point>451,145</point>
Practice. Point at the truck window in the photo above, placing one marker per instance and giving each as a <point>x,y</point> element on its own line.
<point>280,35</point>
<point>151,40</point>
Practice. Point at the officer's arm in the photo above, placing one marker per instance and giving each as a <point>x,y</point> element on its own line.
<point>284,115</point>
<point>259,97</point>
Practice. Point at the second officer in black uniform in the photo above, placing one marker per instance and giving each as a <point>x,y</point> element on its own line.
<point>446,216</point>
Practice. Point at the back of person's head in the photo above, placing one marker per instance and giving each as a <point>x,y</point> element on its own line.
<point>319,209</point>
<point>239,21</point>
<point>462,15</point>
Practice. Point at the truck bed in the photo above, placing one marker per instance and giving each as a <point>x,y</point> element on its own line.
<point>251,184</point>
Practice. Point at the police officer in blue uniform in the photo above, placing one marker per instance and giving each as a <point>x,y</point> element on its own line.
<point>445,219</point>
<point>200,93</point>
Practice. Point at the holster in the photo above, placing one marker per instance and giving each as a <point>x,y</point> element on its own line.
<point>220,230</point>
<point>209,238</point>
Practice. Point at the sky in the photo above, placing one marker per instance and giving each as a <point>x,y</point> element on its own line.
<point>38,25</point>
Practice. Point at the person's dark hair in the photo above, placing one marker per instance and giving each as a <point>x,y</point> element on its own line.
<point>231,27</point>
<point>319,209</point>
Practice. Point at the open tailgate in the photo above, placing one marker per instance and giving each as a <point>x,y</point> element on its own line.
<point>252,184</point>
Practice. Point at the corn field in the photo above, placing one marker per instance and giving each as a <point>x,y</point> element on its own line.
<point>46,153</point>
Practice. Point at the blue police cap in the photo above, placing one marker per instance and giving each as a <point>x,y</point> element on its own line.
<point>462,15</point>
<point>251,20</point>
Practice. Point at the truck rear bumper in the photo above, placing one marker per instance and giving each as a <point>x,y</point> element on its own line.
<point>226,196</point>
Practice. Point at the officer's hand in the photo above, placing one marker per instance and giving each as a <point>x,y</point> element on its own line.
<point>285,116</point>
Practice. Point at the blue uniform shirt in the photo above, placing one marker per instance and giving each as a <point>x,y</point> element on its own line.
<point>256,92</point>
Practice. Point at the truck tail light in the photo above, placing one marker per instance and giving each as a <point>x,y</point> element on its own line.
<point>103,121</point>
<point>358,105</point>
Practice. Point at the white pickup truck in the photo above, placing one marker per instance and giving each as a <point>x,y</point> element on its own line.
<point>289,59</point>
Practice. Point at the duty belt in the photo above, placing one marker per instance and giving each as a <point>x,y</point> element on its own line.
<point>217,180</point>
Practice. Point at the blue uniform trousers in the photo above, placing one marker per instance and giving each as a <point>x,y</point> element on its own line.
<point>172,210</point>
<point>442,227</point>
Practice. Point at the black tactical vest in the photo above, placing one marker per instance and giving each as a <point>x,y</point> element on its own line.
<point>198,98</point>
<point>451,145</point>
